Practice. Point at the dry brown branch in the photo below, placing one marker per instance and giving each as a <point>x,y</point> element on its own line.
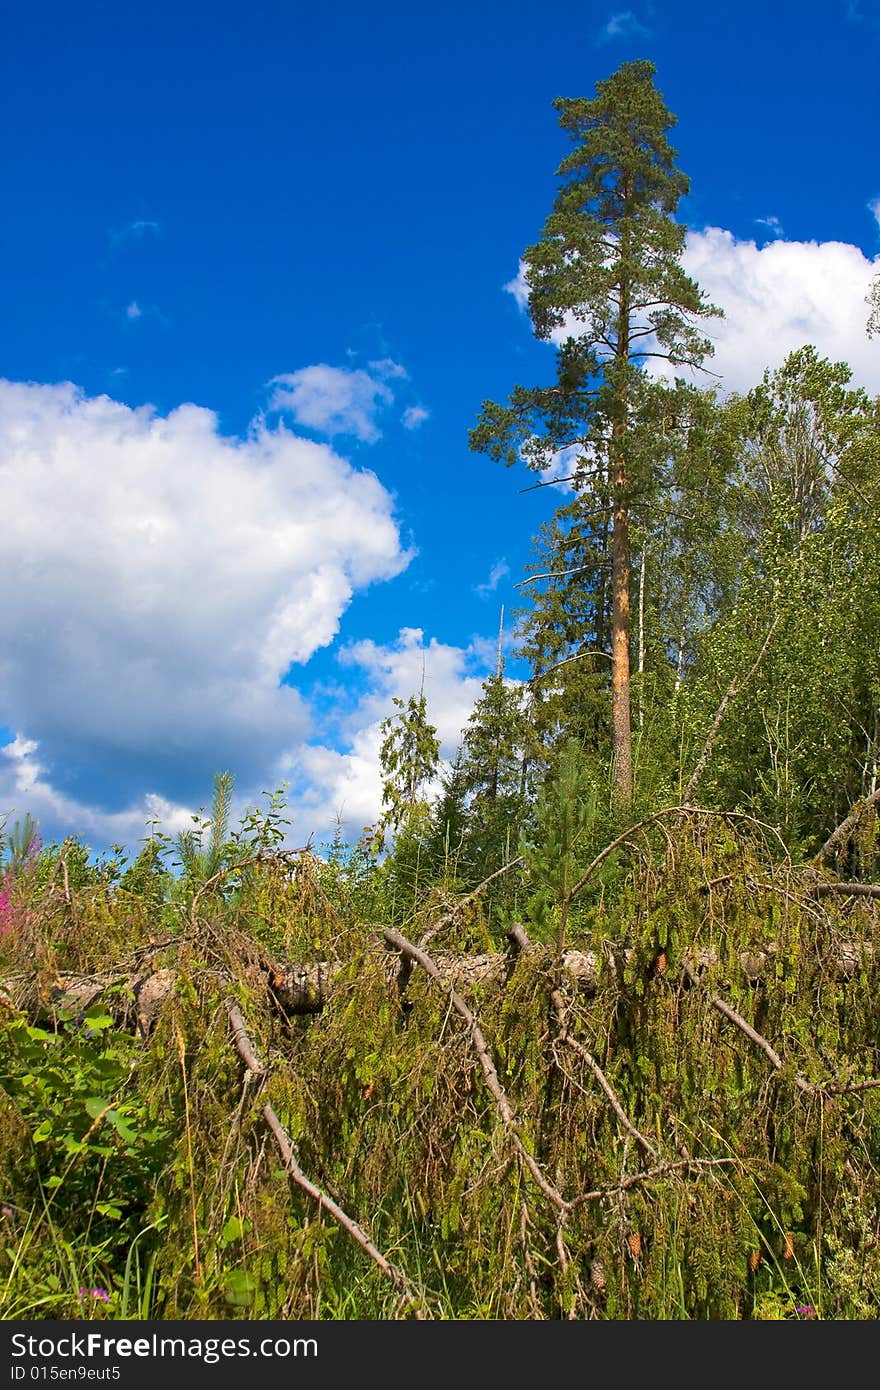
<point>249,1056</point>
<point>839,837</point>
<point>812,1088</point>
<point>576,1046</point>
<point>487,1066</point>
<point>852,890</point>
<point>649,1174</point>
<point>736,685</point>
<point>245,1048</point>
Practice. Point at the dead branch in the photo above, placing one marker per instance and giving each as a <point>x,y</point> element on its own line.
<point>553,574</point>
<point>570,1041</point>
<point>812,1088</point>
<point>736,685</point>
<point>487,1066</point>
<point>849,890</point>
<point>249,1056</point>
<point>245,1047</point>
<point>839,837</point>
<point>650,1174</point>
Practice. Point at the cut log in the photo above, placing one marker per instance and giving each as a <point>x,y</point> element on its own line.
<point>135,998</point>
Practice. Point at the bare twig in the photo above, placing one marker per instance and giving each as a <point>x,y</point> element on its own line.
<point>650,1174</point>
<point>569,478</point>
<point>452,912</point>
<point>566,660</point>
<point>736,685</point>
<point>282,1138</point>
<point>555,574</point>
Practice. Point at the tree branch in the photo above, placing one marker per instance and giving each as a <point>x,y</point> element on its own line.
<point>841,835</point>
<point>487,1066</point>
<point>256,1068</point>
<point>736,685</point>
<point>566,1037</point>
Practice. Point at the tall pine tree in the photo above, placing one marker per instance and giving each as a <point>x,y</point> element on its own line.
<point>606,282</point>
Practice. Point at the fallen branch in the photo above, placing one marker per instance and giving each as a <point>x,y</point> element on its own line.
<point>566,1037</point>
<point>656,819</point>
<point>650,1174</point>
<point>452,912</point>
<point>296,990</point>
<point>839,837</point>
<point>518,936</point>
<point>256,1068</point>
<point>851,890</point>
<point>812,1088</point>
<point>487,1066</point>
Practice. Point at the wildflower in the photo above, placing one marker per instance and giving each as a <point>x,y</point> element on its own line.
<point>806,1310</point>
<point>100,1294</point>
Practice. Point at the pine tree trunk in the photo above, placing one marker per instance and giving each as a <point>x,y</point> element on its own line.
<point>621,713</point>
<point>621,716</point>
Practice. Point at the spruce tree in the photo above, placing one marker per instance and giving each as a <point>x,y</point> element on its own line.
<point>409,757</point>
<point>606,278</point>
<point>491,763</point>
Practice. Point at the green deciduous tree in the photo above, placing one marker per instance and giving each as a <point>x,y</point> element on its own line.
<point>800,743</point>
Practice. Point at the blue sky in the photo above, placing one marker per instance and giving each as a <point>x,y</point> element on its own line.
<point>259,271</point>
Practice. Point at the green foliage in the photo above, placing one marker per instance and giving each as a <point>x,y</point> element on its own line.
<point>96,1151</point>
<point>20,846</point>
<point>568,814</point>
<point>206,849</point>
<point>607,274</point>
<point>703,1091</point>
<point>137,1176</point>
<point>408,758</point>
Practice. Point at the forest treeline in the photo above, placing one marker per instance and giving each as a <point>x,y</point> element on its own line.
<point>585,1025</point>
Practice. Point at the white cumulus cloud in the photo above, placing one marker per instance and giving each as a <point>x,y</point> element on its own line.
<point>778,297</point>
<point>159,580</point>
<point>337,400</point>
<point>348,783</point>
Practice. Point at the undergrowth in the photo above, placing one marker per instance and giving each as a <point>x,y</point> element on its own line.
<point>140,1179</point>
